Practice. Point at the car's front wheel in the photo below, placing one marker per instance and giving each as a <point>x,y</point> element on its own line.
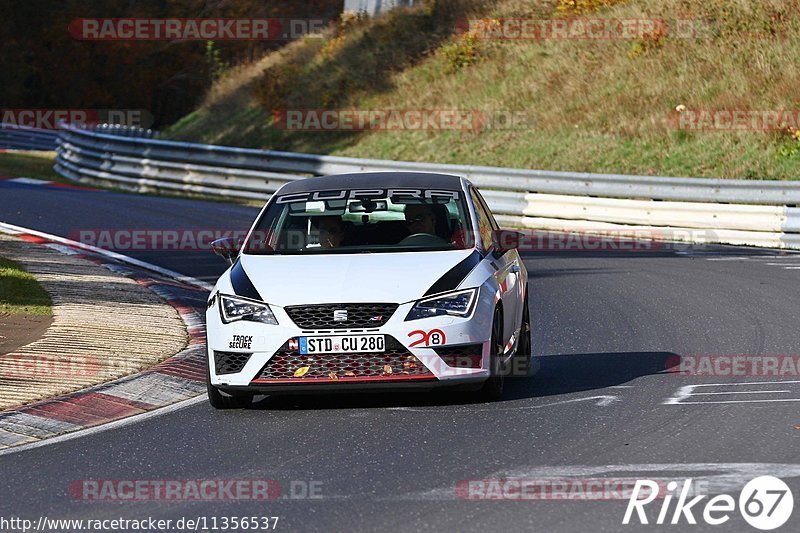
<point>493,388</point>
<point>220,400</point>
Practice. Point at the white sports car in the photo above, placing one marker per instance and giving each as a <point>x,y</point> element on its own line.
<point>385,280</point>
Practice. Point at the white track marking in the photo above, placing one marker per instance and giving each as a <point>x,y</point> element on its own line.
<point>30,181</point>
<point>602,401</point>
<point>743,392</point>
<point>755,258</point>
<point>688,391</point>
<point>772,400</point>
<point>16,230</point>
<point>787,262</point>
<point>716,478</point>
<point>111,425</point>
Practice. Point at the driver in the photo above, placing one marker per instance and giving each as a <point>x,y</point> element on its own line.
<point>420,219</point>
<point>331,232</point>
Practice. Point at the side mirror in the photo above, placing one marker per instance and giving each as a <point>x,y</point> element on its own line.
<point>505,240</point>
<point>227,248</point>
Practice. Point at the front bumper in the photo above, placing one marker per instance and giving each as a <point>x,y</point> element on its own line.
<point>265,346</point>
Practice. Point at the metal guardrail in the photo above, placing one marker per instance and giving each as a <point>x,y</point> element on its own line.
<point>122,131</point>
<point>757,212</point>
<point>761,192</point>
<point>24,138</point>
<point>17,137</point>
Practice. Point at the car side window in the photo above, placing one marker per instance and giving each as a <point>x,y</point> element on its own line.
<point>484,221</point>
<point>488,211</point>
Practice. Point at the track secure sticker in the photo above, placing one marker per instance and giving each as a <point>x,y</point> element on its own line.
<point>241,342</point>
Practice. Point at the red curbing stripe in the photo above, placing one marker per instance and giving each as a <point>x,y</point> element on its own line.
<point>190,374</point>
<point>196,337</point>
<point>166,282</point>
<point>71,186</point>
<point>181,308</point>
<point>92,407</point>
<point>87,409</point>
<point>192,369</point>
<point>33,238</point>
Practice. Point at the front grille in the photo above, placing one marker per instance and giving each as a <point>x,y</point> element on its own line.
<point>230,362</point>
<point>464,356</point>
<point>395,363</point>
<point>358,315</point>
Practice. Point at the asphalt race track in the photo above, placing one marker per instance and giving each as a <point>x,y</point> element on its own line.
<point>607,328</point>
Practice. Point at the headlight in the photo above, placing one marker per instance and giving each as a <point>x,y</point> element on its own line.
<point>233,308</point>
<point>457,303</point>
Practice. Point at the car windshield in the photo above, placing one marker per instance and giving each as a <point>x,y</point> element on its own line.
<point>362,221</point>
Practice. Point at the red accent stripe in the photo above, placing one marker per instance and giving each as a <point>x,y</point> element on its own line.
<point>88,409</point>
<point>417,377</point>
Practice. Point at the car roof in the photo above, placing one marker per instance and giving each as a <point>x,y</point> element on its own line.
<point>366,180</point>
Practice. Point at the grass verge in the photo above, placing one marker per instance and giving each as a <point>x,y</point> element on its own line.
<point>38,165</point>
<point>20,294</point>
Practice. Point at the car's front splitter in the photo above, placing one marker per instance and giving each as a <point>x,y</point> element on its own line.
<point>356,386</point>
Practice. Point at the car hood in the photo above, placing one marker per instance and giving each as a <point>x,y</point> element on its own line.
<point>348,278</point>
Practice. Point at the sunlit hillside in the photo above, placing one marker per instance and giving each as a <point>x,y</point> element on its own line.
<point>695,87</point>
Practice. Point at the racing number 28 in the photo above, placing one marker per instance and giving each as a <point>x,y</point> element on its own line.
<point>434,337</point>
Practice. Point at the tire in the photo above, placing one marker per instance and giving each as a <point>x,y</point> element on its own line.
<point>220,400</point>
<point>493,388</point>
<point>522,359</point>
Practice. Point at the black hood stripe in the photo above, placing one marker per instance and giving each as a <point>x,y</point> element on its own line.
<point>241,283</point>
<point>455,275</point>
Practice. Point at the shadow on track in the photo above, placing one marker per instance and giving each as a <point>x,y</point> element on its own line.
<point>565,374</point>
<point>552,375</point>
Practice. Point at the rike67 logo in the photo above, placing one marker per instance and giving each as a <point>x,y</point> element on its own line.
<point>765,503</point>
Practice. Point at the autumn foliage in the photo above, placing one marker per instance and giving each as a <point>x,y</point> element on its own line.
<point>44,67</point>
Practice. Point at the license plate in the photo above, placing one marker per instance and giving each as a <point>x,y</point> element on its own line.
<point>341,344</point>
